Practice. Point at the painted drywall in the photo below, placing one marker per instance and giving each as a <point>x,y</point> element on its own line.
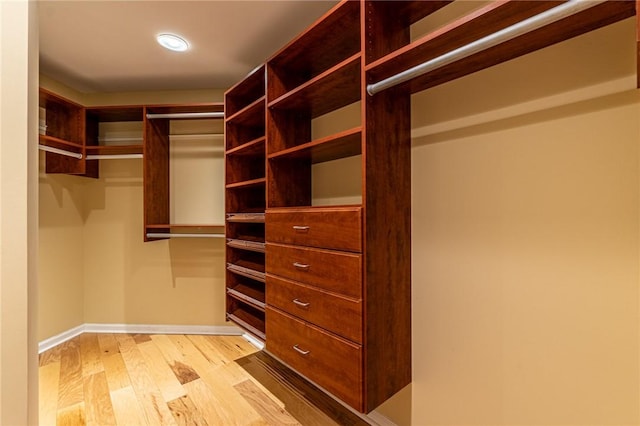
<point>18,213</point>
<point>94,265</point>
<point>525,242</point>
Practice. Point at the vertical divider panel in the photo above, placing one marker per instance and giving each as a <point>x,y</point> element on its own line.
<point>156,172</point>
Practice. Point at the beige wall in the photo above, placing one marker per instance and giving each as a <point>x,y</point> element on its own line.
<point>18,213</point>
<point>94,266</point>
<point>525,242</point>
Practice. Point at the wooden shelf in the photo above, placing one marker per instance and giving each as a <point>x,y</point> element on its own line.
<point>247,183</point>
<point>337,87</point>
<point>114,149</point>
<point>249,271</point>
<point>255,147</point>
<point>330,40</point>
<point>257,246</point>
<point>247,294</point>
<point>249,321</point>
<point>486,21</point>
<point>251,115</point>
<point>246,91</point>
<point>107,114</point>
<point>185,108</point>
<point>54,142</point>
<point>341,145</point>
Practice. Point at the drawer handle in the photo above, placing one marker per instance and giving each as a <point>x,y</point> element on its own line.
<point>301,265</point>
<point>300,228</point>
<point>301,304</point>
<point>300,351</point>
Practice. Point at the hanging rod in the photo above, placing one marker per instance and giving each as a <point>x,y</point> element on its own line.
<point>60,151</point>
<point>113,156</point>
<point>550,16</point>
<point>188,115</point>
<point>189,136</point>
<point>168,235</point>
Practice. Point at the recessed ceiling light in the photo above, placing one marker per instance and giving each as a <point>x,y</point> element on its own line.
<point>172,42</point>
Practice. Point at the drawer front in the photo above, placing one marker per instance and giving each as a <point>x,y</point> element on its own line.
<point>332,363</point>
<point>339,272</point>
<point>331,228</point>
<point>337,314</point>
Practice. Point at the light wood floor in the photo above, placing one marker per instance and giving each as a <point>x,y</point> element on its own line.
<point>123,379</point>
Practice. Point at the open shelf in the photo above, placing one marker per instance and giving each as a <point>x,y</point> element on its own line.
<point>245,92</point>
<point>54,142</point>
<point>341,145</point>
<point>205,107</point>
<point>248,317</point>
<point>251,115</point>
<point>249,245</point>
<point>239,295</point>
<point>330,40</point>
<point>114,149</point>
<point>334,88</point>
<point>483,22</point>
<point>247,183</point>
<point>249,271</point>
<point>109,114</point>
<point>255,147</point>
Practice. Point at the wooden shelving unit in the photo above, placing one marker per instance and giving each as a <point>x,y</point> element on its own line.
<point>245,184</point>
<point>157,120</point>
<point>64,127</point>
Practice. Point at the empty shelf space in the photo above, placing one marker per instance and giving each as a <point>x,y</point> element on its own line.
<point>243,297</point>
<point>247,269</point>
<point>251,148</point>
<point>252,323</point>
<point>114,149</point>
<point>247,183</point>
<point>344,144</point>
<point>251,115</point>
<point>484,22</point>
<point>115,113</point>
<point>257,246</point>
<point>246,91</point>
<point>248,217</point>
<point>334,88</point>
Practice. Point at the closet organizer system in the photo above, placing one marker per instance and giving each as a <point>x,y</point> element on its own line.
<point>328,288</point>
<point>69,134</point>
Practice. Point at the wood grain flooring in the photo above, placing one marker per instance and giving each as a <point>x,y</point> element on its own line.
<point>126,380</point>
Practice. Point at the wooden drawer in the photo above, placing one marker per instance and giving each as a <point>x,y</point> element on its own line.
<point>339,272</point>
<point>337,314</point>
<point>331,362</point>
<point>338,228</point>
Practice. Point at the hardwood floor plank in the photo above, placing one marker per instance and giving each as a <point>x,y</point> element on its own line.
<point>90,354</point>
<point>265,406</point>
<point>70,389</point>
<point>49,378</point>
<point>169,385</point>
<point>185,413</point>
<point>49,356</point>
<point>97,400</point>
<point>127,408</point>
<point>108,344</point>
<point>175,359</point>
<point>73,415</point>
<point>237,409</point>
<point>153,404</point>
<point>116,372</point>
<point>141,338</point>
<point>210,349</point>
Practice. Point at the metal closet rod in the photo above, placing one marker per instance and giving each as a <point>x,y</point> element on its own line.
<point>60,151</point>
<point>187,115</point>
<point>113,156</point>
<point>168,235</point>
<point>533,23</point>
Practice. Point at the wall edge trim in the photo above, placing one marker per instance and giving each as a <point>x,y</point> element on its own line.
<point>221,330</point>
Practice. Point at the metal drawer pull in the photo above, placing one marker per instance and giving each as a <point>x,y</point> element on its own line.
<point>300,350</point>
<point>300,265</point>
<point>302,304</point>
<point>300,228</point>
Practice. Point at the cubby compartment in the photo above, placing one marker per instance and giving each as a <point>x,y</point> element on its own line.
<point>247,316</point>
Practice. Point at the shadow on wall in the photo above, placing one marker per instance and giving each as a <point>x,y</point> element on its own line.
<point>196,258</point>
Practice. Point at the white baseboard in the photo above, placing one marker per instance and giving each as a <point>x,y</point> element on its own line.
<point>222,330</point>
<point>379,419</point>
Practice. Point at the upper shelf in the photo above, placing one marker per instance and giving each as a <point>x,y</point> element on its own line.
<point>115,113</point>
<point>182,111</point>
<point>332,39</point>
<point>485,21</point>
<point>245,92</point>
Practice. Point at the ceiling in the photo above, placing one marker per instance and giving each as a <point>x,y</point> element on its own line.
<point>110,46</point>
